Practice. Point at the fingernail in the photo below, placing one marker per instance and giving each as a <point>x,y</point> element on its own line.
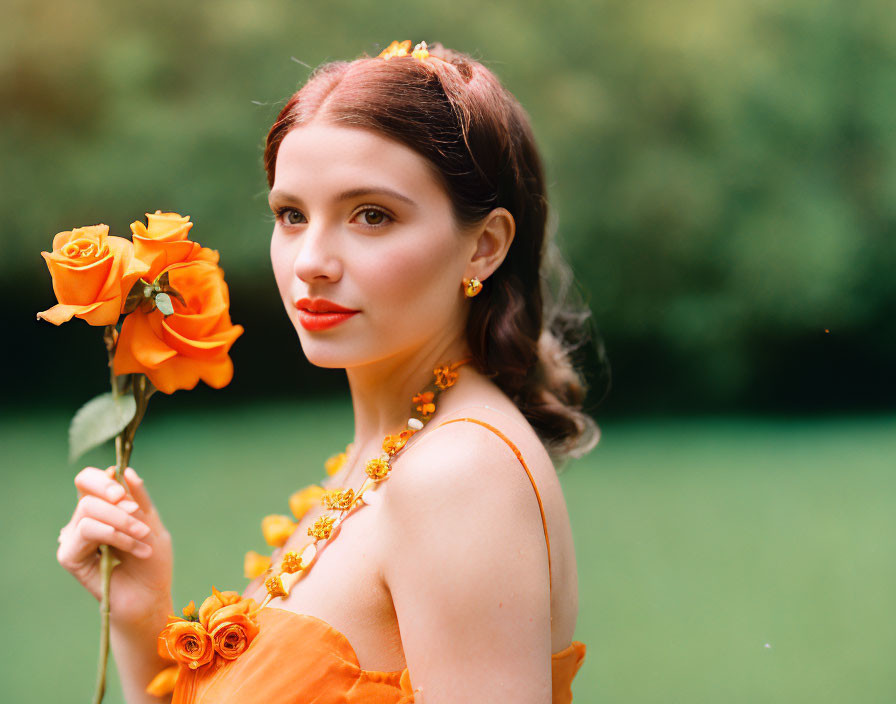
<point>141,531</point>
<point>115,492</point>
<point>128,506</point>
<point>143,550</point>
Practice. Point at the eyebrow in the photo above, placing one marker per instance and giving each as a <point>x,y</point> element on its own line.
<point>345,195</point>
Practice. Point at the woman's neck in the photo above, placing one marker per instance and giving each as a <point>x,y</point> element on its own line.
<point>382,391</point>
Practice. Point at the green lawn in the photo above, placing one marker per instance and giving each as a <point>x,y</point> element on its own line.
<point>720,560</point>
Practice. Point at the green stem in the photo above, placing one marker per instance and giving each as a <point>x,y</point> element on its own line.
<point>124,444</point>
<point>107,564</point>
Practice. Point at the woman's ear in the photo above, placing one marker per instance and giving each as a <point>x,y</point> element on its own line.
<point>493,238</point>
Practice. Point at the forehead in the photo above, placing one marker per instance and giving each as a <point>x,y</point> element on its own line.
<point>325,156</point>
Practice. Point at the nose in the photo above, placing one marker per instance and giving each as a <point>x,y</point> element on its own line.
<point>318,257</point>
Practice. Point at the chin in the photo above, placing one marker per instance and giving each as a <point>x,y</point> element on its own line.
<point>333,353</point>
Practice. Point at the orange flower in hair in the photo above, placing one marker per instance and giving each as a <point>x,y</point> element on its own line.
<point>396,48</point>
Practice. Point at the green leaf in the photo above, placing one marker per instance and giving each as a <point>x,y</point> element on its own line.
<point>98,420</point>
<point>163,303</point>
<point>136,295</point>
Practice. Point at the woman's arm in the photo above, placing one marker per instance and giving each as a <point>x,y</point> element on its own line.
<point>467,567</point>
<point>137,658</point>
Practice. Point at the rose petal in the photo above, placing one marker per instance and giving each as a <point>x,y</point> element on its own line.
<point>139,349</point>
<point>164,682</point>
<point>78,285</point>
<point>61,313</point>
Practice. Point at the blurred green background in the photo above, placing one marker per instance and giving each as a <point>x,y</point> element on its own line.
<point>723,179</point>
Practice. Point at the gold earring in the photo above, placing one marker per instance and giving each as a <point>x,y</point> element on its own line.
<point>472,286</point>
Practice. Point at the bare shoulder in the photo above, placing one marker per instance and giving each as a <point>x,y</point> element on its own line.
<point>468,569</point>
<point>474,487</point>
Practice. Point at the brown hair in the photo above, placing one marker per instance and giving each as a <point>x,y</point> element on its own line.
<point>477,138</point>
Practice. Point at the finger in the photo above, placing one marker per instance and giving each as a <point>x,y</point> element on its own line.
<point>138,491</point>
<point>113,515</point>
<point>94,533</point>
<point>91,480</point>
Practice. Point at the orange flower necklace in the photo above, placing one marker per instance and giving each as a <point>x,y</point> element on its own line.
<point>226,623</point>
<point>342,502</point>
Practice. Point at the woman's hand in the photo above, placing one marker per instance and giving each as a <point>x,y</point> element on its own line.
<point>105,514</point>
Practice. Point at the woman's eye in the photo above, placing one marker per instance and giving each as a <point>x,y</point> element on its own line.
<point>374,217</point>
<point>287,212</point>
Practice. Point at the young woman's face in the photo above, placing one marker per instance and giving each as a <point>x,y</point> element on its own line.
<point>362,223</point>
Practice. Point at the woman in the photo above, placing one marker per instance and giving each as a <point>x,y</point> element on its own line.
<point>409,233</point>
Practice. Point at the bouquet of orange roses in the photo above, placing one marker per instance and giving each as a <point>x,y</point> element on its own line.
<point>175,331</point>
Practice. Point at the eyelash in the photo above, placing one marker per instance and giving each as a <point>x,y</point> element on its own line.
<point>280,211</point>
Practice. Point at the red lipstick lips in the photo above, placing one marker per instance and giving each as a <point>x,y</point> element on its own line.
<point>320,314</point>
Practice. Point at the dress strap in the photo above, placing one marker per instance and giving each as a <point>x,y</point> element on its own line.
<point>519,456</point>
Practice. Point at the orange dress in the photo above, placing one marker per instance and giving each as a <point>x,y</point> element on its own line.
<point>301,659</point>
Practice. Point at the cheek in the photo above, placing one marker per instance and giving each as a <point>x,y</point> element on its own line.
<point>411,285</point>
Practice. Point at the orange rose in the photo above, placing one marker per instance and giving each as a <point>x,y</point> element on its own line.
<point>92,274</point>
<point>164,242</point>
<point>178,350</point>
<point>186,642</point>
<point>232,632</point>
<point>230,620</point>
<point>217,601</point>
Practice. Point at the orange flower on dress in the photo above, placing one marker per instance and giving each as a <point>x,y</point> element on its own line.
<point>424,403</point>
<point>277,529</point>
<point>92,274</point>
<point>163,242</point>
<point>231,635</point>
<point>178,350</point>
<point>335,463</point>
<point>232,626</point>
<point>255,564</point>
<point>302,500</point>
<point>164,682</point>
<point>189,610</point>
<point>186,642</point>
<point>217,601</point>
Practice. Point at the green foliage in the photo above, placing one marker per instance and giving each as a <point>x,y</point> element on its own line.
<point>720,172</point>
<point>100,419</point>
